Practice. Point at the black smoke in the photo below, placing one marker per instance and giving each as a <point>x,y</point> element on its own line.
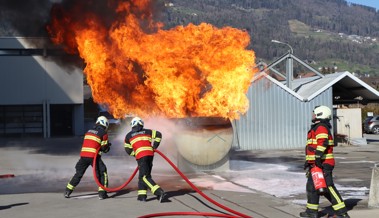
<point>20,18</point>
<point>30,18</point>
<point>24,18</point>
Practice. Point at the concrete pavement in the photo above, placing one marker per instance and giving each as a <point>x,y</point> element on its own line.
<point>124,204</point>
<point>42,168</point>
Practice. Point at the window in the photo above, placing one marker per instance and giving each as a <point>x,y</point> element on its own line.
<point>21,120</point>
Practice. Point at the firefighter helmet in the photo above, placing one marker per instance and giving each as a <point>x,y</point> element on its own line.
<point>136,121</point>
<point>102,121</point>
<point>322,112</point>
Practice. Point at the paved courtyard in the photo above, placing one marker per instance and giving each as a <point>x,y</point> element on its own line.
<point>258,183</point>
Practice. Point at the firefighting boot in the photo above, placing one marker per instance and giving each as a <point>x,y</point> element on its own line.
<point>160,194</point>
<point>345,215</point>
<point>67,193</point>
<point>103,195</point>
<point>162,197</point>
<point>141,198</point>
<point>309,214</point>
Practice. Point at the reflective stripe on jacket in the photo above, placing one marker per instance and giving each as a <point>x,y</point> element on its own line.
<point>320,141</point>
<point>139,144</point>
<point>93,140</point>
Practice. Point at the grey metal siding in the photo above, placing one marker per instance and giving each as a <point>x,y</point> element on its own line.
<point>38,80</point>
<point>276,119</point>
<point>31,80</point>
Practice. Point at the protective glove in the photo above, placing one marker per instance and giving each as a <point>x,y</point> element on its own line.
<point>318,162</point>
<point>307,173</point>
<point>306,165</point>
<point>155,145</point>
<point>106,150</point>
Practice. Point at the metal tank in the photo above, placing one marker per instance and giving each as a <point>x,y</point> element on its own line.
<point>204,142</point>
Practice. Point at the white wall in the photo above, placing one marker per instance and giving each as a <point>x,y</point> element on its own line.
<point>349,122</point>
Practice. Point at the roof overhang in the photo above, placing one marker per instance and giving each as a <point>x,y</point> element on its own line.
<point>347,89</point>
<point>350,90</point>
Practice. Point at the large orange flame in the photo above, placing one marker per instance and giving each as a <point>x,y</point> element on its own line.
<point>134,66</point>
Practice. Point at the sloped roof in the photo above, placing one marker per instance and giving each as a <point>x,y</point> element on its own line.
<point>347,88</point>
<point>278,83</point>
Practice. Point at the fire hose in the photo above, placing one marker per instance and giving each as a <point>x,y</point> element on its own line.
<point>6,176</point>
<point>173,213</point>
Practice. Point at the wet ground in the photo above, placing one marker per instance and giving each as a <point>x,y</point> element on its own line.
<point>46,165</point>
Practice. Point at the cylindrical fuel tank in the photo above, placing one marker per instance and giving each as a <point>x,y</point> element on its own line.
<point>204,140</point>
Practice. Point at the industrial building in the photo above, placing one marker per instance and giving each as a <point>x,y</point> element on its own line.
<point>279,114</point>
<point>38,97</point>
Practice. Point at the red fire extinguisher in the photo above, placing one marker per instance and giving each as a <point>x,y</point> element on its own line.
<point>318,179</point>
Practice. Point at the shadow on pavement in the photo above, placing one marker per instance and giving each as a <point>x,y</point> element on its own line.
<point>207,205</point>
<point>120,193</point>
<point>11,205</point>
<point>350,204</point>
<point>372,140</point>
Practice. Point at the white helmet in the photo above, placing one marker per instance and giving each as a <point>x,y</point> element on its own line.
<point>103,121</point>
<point>322,112</point>
<point>135,121</point>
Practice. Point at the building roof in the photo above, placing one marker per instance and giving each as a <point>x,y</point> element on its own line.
<point>278,83</point>
<point>347,88</point>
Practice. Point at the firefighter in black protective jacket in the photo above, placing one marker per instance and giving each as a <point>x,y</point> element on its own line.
<point>140,143</point>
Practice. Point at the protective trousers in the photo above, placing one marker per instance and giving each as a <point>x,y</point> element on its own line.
<point>331,194</point>
<point>81,167</point>
<point>145,165</point>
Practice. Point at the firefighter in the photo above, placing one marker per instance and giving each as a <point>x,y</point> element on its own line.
<point>141,143</point>
<point>95,138</point>
<point>319,152</point>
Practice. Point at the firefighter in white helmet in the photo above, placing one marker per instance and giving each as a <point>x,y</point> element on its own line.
<point>95,138</point>
<point>319,152</point>
<point>140,143</point>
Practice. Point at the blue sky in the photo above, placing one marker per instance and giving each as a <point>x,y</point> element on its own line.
<point>371,3</point>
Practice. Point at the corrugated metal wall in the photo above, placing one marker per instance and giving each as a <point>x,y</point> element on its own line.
<point>276,119</point>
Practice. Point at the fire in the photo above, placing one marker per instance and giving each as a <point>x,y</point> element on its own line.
<point>134,66</point>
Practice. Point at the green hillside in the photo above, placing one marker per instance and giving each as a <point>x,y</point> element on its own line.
<point>324,32</point>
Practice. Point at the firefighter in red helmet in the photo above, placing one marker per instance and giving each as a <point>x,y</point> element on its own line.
<point>319,152</point>
<point>140,143</point>
<point>95,138</point>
